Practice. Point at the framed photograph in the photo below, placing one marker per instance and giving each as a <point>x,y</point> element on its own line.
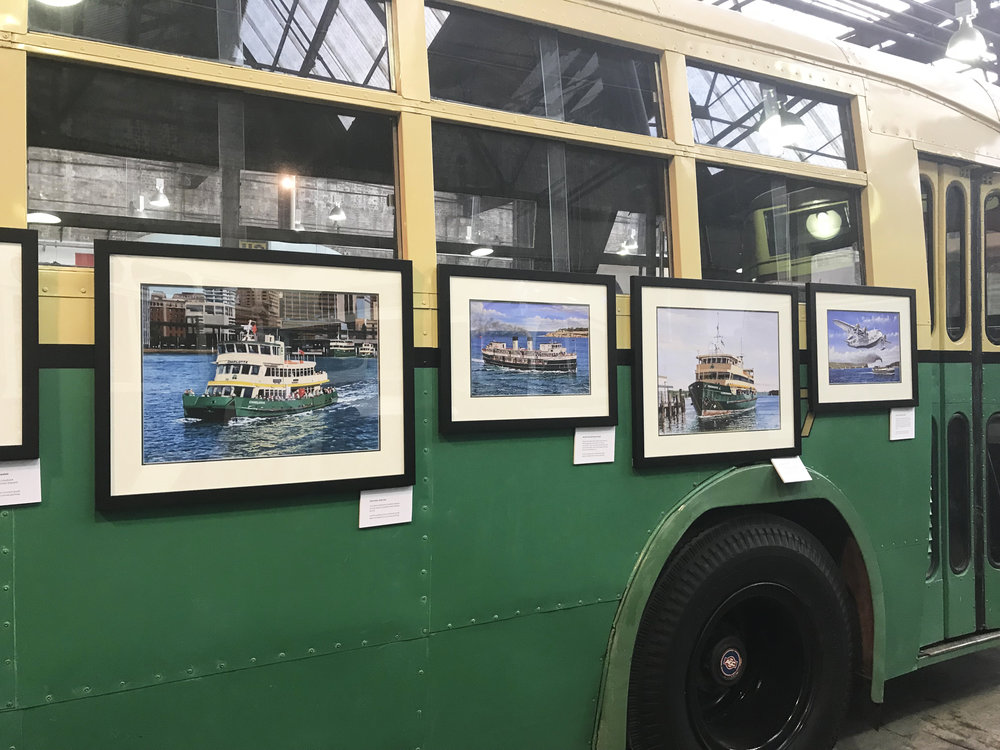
<point>716,371</point>
<point>19,363</point>
<point>238,374</point>
<point>522,349</point>
<point>862,347</point>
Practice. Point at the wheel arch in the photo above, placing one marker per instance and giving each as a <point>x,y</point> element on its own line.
<point>752,487</point>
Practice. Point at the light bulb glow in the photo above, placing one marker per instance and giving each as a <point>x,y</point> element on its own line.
<point>337,213</point>
<point>824,225</point>
<point>159,200</point>
<point>287,181</point>
<point>481,252</point>
<point>60,3</point>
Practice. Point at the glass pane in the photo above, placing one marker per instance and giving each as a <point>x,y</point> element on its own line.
<point>991,253</point>
<point>731,110</point>
<point>511,201</point>
<point>993,488</point>
<point>959,498</point>
<point>768,228</point>
<point>496,62</point>
<point>954,261</point>
<point>927,205</point>
<point>114,155</point>
<point>335,40</point>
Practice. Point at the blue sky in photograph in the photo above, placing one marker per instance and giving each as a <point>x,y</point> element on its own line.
<point>533,317</point>
<point>886,322</point>
<point>684,333</point>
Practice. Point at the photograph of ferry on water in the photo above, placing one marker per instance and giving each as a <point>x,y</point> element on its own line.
<point>233,374</point>
<point>237,372</point>
<point>862,347</point>
<point>716,371</point>
<point>529,348</point>
<point>525,349</point>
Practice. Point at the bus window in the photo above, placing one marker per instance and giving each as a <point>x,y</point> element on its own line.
<point>768,228</point>
<point>993,489</point>
<point>954,261</point>
<point>991,254</point>
<point>959,544</point>
<point>927,204</point>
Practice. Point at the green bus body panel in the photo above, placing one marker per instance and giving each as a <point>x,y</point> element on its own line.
<point>284,625</point>
<point>529,683</point>
<point>371,698</point>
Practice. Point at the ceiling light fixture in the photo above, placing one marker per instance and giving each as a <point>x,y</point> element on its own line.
<point>630,244</point>
<point>60,3</point>
<point>967,44</point>
<point>42,217</point>
<point>482,251</point>
<point>783,128</point>
<point>337,213</point>
<point>160,200</point>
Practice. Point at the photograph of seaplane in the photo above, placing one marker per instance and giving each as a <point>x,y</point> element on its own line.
<point>863,346</point>
<point>861,337</point>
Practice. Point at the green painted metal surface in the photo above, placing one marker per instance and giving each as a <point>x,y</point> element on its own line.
<point>484,621</point>
<point>526,683</point>
<point>362,699</point>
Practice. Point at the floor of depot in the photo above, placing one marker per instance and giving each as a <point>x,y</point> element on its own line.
<point>941,707</point>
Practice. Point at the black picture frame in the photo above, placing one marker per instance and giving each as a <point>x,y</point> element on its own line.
<point>124,476</point>
<point>19,298</point>
<point>891,384</point>
<point>685,436</point>
<point>463,409</point>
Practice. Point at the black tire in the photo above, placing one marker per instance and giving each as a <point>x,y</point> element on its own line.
<point>745,644</point>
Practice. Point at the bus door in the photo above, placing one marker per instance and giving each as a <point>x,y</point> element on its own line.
<point>989,263</point>
<point>955,575</point>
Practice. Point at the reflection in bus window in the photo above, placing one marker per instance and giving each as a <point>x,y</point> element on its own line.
<point>767,228</point>
<point>954,261</point>
<point>927,205</point>
<point>993,489</point>
<point>959,544</point>
<point>991,254</point>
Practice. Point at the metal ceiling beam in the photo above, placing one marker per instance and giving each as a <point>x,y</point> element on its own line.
<point>316,43</point>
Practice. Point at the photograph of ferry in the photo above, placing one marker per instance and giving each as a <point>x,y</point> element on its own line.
<point>529,348</point>
<point>863,347</point>
<point>232,372</point>
<point>717,370</point>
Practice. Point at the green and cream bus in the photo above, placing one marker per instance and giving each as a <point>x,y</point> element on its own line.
<point>530,602</point>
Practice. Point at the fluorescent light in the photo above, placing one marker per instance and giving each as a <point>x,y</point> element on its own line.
<point>41,217</point>
<point>481,252</point>
<point>60,3</point>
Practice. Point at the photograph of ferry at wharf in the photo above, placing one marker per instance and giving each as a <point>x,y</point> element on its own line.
<point>863,347</point>
<point>529,348</point>
<point>235,372</point>
<point>717,370</point>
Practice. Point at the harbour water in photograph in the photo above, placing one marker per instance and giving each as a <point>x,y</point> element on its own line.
<point>765,416</point>
<point>348,425</point>
<point>496,380</point>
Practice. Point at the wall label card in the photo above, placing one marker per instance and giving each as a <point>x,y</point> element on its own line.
<point>791,469</point>
<point>20,482</point>
<point>594,445</point>
<point>385,507</point>
<point>902,424</point>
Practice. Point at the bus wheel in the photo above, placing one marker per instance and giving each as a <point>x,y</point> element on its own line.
<point>745,644</point>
